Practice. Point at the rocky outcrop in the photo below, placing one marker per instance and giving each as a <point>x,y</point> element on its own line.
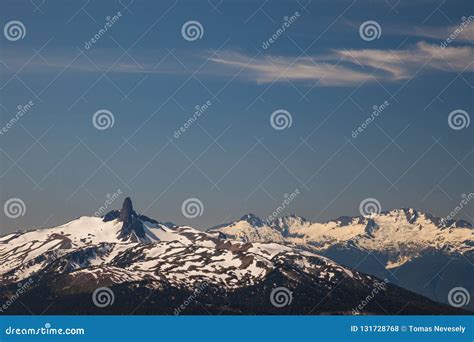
<point>132,225</point>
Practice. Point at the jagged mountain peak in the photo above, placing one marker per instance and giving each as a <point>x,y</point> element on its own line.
<point>253,220</point>
<point>408,214</point>
<point>290,219</point>
<point>383,231</point>
<point>415,216</point>
<point>133,224</point>
<point>391,226</point>
<point>343,221</point>
<point>127,213</point>
<point>282,221</point>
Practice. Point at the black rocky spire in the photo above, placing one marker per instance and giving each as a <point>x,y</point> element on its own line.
<point>131,221</point>
<point>127,213</point>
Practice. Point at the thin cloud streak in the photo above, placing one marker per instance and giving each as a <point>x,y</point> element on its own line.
<point>463,32</point>
<point>349,67</point>
<point>273,68</point>
<point>340,67</point>
<point>400,64</point>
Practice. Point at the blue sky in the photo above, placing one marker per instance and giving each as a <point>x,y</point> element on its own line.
<point>319,69</point>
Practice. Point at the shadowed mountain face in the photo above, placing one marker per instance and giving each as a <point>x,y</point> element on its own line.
<point>127,213</point>
<point>412,249</point>
<point>152,268</point>
<point>131,222</point>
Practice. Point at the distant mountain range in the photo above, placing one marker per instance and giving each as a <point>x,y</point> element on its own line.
<point>127,263</point>
<point>414,250</point>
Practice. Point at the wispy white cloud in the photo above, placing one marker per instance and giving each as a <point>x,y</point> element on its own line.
<point>277,68</point>
<point>400,64</point>
<point>461,32</point>
<point>99,61</point>
<point>339,67</point>
<point>349,67</point>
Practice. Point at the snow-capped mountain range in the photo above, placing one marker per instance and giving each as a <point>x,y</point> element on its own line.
<point>153,268</point>
<point>412,249</point>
